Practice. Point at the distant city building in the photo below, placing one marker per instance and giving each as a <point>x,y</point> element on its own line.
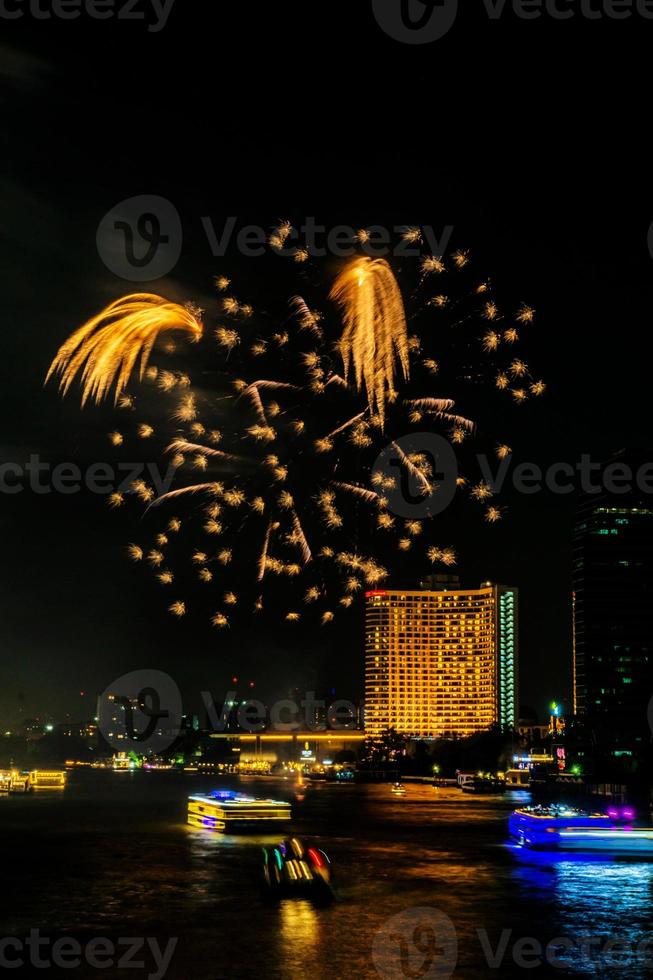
<point>119,718</point>
<point>441,662</point>
<point>613,609</point>
<point>532,732</point>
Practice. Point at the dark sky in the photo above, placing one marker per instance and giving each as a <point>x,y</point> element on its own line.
<point>530,138</point>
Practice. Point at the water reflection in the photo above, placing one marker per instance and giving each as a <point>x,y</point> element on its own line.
<point>601,905</point>
<point>130,858</point>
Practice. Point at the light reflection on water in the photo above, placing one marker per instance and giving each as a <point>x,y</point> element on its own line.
<point>114,856</point>
<point>599,898</point>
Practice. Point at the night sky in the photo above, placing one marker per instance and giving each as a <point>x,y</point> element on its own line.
<point>528,137</point>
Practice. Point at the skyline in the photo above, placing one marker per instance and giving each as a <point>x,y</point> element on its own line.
<point>480,563</point>
<point>581,260</point>
<point>325,607</point>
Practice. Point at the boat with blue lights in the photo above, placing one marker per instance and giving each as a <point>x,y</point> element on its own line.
<point>225,811</point>
<point>562,828</point>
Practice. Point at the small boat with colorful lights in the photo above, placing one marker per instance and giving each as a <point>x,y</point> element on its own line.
<point>225,811</point>
<point>562,828</point>
<point>398,789</point>
<point>291,869</point>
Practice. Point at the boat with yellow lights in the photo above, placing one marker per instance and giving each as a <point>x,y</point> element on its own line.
<point>47,779</point>
<point>225,811</point>
<point>20,782</point>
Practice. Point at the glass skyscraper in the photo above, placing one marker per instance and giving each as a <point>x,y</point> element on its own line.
<point>613,613</point>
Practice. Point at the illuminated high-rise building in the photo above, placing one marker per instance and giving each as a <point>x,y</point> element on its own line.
<point>441,662</point>
<point>613,607</point>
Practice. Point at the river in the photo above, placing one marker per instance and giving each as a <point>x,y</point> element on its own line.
<point>111,857</point>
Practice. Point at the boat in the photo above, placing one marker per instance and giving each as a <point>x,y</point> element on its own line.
<point>225,811</point>
<point>17,781</point>
<point>13,781</point>
<point>20,782</point>
<point>291,869</point>
<point>483,784</point>
<point>562,828</point>
<point>398,789</point>
<point>47,779</point>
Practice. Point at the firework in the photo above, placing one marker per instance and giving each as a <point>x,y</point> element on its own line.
<point>431,264</point>
<point>107,348</point>
<point>375,338</point>
<point>297,406</point>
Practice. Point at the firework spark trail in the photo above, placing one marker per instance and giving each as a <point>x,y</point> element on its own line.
<point>346,425</point>
<point>276,482</point>
<point>264,553</point>
<point>375,335</point>
<point>181,446</point>
<point>412,469</point>
<point>367,495</point>
<point>108,346</point>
